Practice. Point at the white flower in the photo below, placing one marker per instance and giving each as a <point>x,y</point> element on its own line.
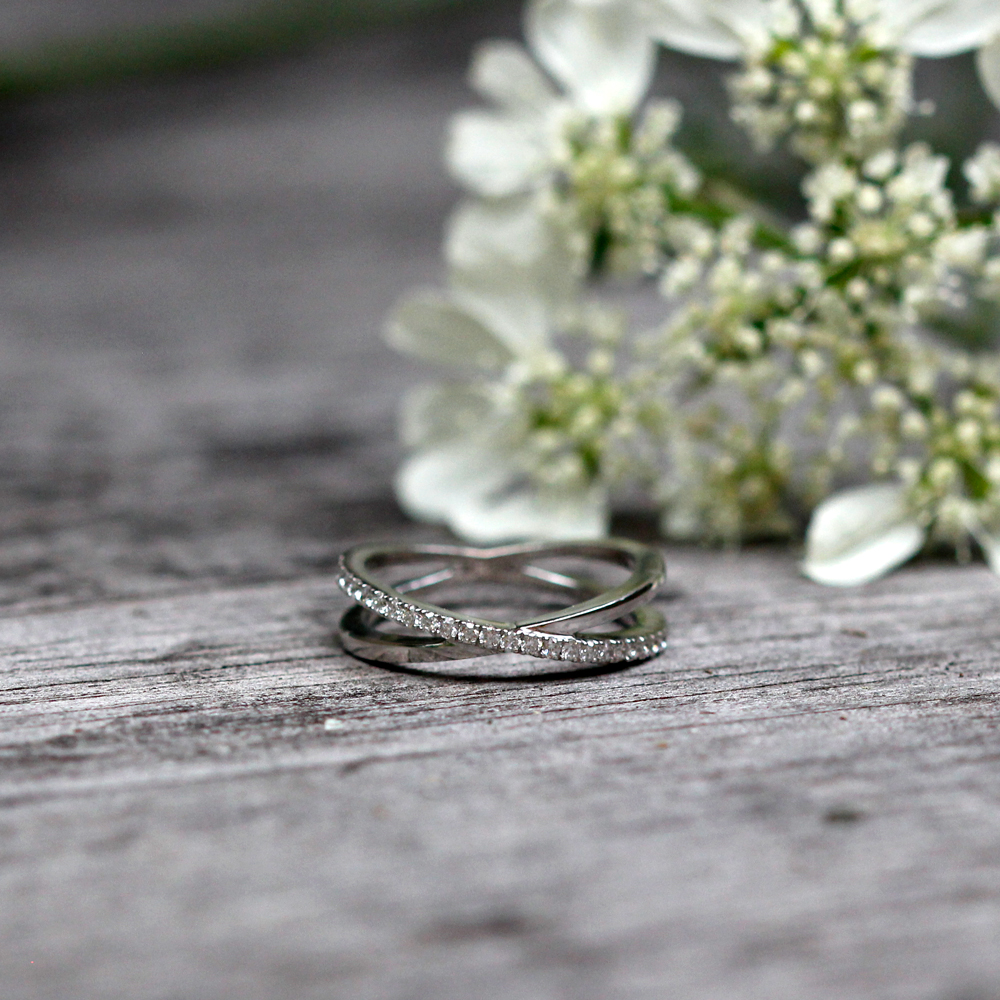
<point>478,465</point>
<point>861,534</point>
<point>988,61</point>
<point>728,29</point>
<point>598,51</point>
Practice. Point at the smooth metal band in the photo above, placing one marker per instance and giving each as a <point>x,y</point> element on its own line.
<point>502,563</point>
<point>643,638</point>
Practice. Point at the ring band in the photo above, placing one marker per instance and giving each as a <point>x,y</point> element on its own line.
<point>641,640</point>
<point>361,636</point>
<point>645,563</point>
<point>542,636</point>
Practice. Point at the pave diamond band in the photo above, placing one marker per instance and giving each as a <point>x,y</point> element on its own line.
<point>640,632</point>
<point>642,639</point>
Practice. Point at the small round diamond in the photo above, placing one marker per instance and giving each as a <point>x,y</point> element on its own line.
<point>468,634</point>
<point>490,637</point>
<point>516,642</point>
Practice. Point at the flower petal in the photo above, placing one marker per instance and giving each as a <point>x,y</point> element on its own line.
<point>434,328</point>
<point>941,27</point>
<point>511,269</point>
<point>433,484</point>
<point>503,72</point>
<point>988,61</point>
<point>494,154</point>
<point>529,513</point>
<point>599,50</point>
<point>482,233</point>
<point>437,414</point>
<point>859,535</point>
<point>480,493</point>
<point>989,542</point>
<point>718,29</point>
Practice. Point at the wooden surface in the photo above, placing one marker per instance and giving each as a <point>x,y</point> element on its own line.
<point>201,797</point>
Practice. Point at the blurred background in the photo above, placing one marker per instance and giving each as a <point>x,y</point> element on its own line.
<point>206,208</point>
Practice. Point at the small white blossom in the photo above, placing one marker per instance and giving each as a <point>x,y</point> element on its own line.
<point>600,54</point>
<point>825,187</point>
<point>881,165</point>
<point>983,173</point>
<point>729,29</point>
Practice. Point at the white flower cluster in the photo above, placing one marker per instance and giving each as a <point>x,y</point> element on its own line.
<point>791,359</point>
<point>831,82</point>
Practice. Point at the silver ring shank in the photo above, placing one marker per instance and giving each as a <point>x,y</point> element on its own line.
<point>644,638</point>
<point>506,562</point>
<point>552,635</point>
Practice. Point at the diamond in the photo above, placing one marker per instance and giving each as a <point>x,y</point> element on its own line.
<point>515,644</point>
<point>468,634</point>
<point>491,638</point>
<point>604,653</point>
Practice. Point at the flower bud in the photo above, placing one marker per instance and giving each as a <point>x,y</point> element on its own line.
<point>943,472</point>
<point>865,372</point>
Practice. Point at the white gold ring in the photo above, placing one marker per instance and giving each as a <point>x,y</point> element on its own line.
<point>641,632</point>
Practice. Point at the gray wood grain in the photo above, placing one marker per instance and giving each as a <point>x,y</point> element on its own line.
<point>202,797</point>
<point>30,24</point>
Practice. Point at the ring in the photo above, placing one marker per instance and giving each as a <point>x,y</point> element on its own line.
<point>642,639</point>
<point>555,635</point>
<point>361,636</point>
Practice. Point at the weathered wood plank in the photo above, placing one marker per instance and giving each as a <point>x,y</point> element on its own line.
<point>800,799</point>
<point>193,276</point>
<point>202,797</point>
